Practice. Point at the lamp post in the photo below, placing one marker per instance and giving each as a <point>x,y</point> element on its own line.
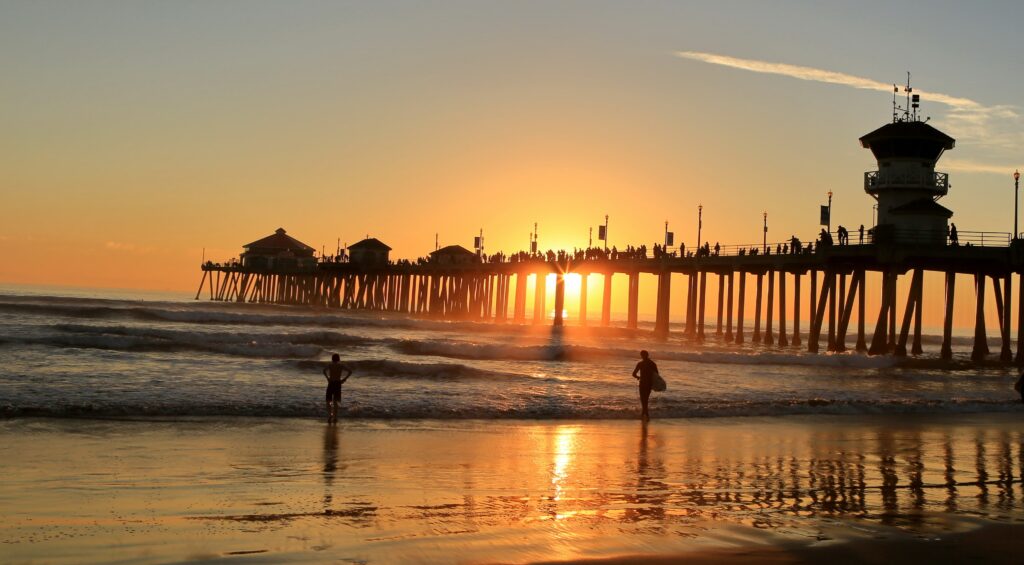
<point>700,222</point>
<point>830,211</point>
<point>764,241</point>
<point>1016,191</point>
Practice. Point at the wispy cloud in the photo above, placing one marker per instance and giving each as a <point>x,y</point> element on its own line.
<point>953,164</point>
<point>990,125</point>
<point>128,247</point>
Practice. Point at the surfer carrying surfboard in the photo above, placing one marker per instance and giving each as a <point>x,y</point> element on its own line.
<point>332,373</point>
<point>644,372</point>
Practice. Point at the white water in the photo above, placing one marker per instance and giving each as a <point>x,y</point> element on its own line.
<point>111,357</point>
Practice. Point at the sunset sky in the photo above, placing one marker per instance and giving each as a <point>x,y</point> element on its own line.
<point>136,134</point>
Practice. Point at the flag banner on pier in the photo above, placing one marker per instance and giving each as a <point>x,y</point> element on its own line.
<point>478,242</point>
<point>670,239</point>
<point>533,247</point>
<point>825,220</point>
<point>602,233</point>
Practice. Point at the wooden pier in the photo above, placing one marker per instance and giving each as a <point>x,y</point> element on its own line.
<point>912,236</point>
<point>835,278</point>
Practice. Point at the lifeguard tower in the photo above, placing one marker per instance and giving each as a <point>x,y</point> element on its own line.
<point>906,185</point>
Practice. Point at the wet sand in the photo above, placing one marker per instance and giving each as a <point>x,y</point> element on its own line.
<point>743,490</point>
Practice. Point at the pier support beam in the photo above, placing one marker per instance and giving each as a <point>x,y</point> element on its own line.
<point>559,299</point>
<point>769,339</point>
<point>606,301</point>
<point>947,319</point>
<point>912,306</point>
<point>892,313</point>
<point>796,308</point>
<point>661,322</point>
<point>847,312</point>
<point>634,297</point>
<point>540,291</point>
<point>728,310</point>
<point>783,342</point>
<point>818,314</point>
<point>519,308</point>
<point>691,304</point>
<point>862,290</point>
<point>739,306</point>
<point>700,307</point>
<point>583,298</point>
<point>1005,354</point>
<point>832,308</point>
<point>757,310</point>
<point>980,339</point>
<point>916,349</point>
<point>1020,320</point>
<point>879,341</point>
<point>721,299</point>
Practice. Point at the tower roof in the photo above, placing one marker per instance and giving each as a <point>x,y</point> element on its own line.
<point>908,139</point>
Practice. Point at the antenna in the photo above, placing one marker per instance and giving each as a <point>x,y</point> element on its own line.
<point>907,90</point>
<point>895,91</point>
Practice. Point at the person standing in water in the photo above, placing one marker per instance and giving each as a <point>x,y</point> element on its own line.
<point>332,373</point>
<point>644,372</point>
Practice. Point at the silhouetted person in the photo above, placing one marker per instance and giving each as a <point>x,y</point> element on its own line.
<point>644,372</point>
<point>332,373</point>
<point>861,230</point>
<point>954,237</point>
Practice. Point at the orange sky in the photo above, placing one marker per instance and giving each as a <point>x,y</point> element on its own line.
<point>135,137</point>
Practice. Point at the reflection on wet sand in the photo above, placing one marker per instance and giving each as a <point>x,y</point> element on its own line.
<point>422,491</point>
<point>679,477</point>
<point>676,477</point>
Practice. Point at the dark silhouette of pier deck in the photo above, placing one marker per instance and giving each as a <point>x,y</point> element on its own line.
<point>834,277</point>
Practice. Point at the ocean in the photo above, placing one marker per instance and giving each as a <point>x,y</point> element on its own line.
<point>119,354</point>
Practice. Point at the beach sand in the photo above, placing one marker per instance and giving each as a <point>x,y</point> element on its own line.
<point>744,490</point>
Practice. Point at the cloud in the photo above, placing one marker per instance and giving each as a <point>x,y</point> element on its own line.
<point>993,126</point>
<point>127,247</point>
<point>967,166</point>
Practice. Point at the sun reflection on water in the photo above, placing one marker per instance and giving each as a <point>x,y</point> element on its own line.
<point>565,450</point>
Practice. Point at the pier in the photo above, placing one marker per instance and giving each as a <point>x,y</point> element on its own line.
<point>912,237</point>
<point>834,278</point>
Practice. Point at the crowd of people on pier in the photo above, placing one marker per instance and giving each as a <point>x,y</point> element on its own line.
<point>794,246</point>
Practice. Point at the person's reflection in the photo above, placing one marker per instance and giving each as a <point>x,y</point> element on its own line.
<point>330,464</point>
<point>651,491</point>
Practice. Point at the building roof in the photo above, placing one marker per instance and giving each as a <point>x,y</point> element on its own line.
<point>907,130</point>
<point>453,250</point>
<point>370,243</point>
<point>923,206</point>
<point>279,240</point>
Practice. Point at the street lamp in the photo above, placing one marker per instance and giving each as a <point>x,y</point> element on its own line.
<point>764,241</point>
<point>700,214</point>
<point>1016,191</point>
<point>830,211</point>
